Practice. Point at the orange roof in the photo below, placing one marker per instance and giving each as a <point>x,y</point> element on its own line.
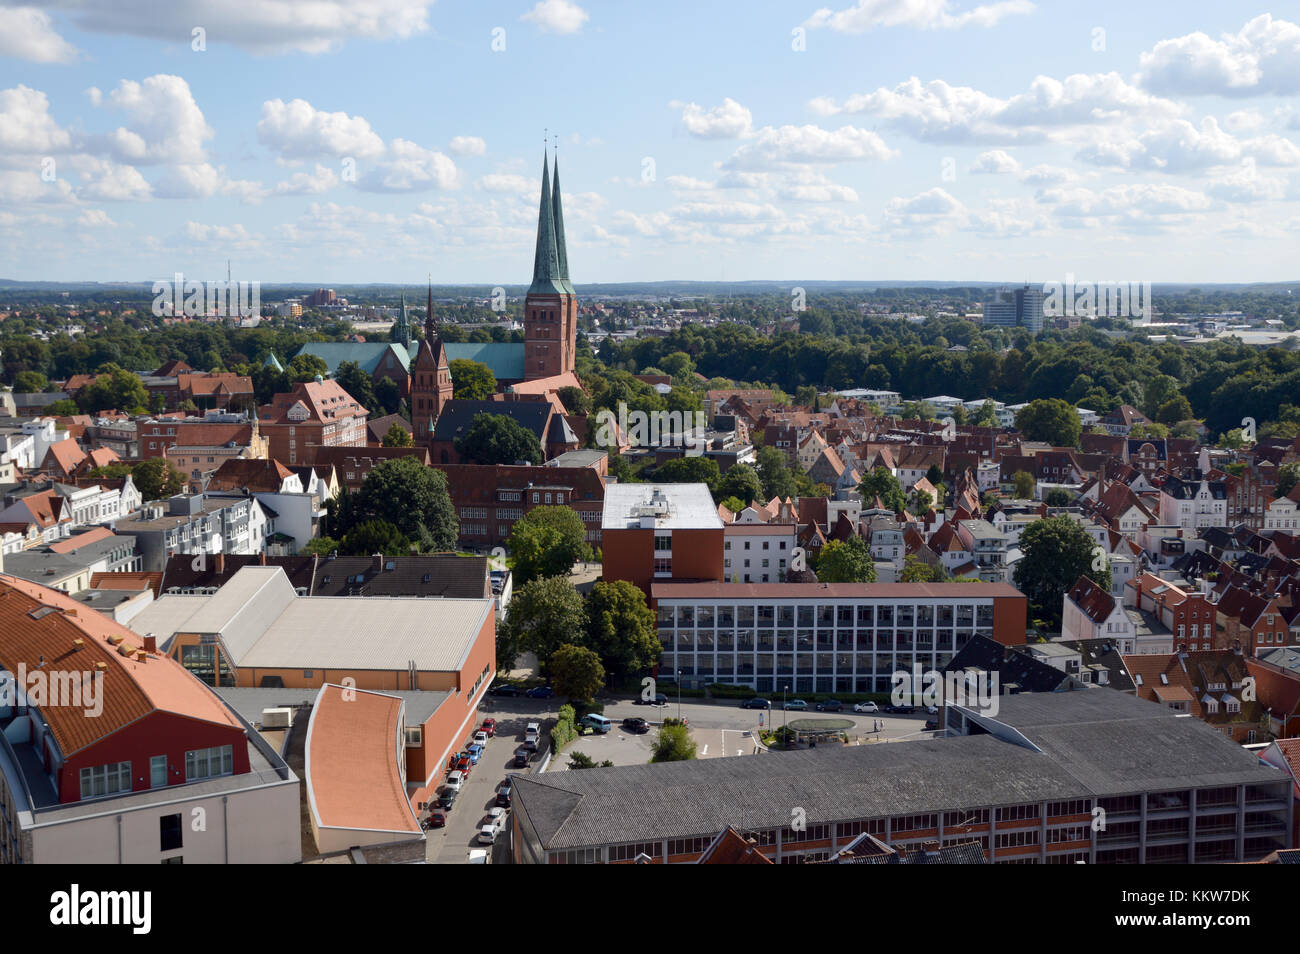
<point>204,384</point>
<point>101,457</point>
<point>544,385</point>
<point>254,473</point>
<point>131,688</point>
<point>66,456</point>
<point>126,581</point>
<point>78,541</point>
<point>353,779</point>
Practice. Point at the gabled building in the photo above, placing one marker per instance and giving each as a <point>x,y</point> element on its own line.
<point>314,414</point>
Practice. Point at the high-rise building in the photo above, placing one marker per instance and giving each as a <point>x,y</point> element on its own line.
<point>1016,308</point>
<point>551,306</point>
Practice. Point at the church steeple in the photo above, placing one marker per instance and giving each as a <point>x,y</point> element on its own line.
<point>430,329</point>
<point>561,253</point>
<point>546,262</point>
<point>402,329</point>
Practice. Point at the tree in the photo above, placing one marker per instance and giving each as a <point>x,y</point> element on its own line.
<point>543,614</point>
<point>114,387</point>
<point>63,408</point>
<point>1058,497</point>
<point>916,570</point>
<point>498,439</point>
<point>579,760</point>
<point>414,499</point>
<point>575,400</point>
<point>307,367</point>
<point>621,629</point>
<point>1051,420</point>
<point>1057,551</point>
<point>576,672</point>
<point>156,478</point>
<point>846,561</point>
<point>1024,484</point>
<point>986,416</point>
<point>30,382</point>
<point>388,395</point>
<point>774,471</point>
<point>1154,430</point>
<point>922,500</point>
<point>881,483</point>
<point>673,744</point>
<point>689,470</point>
<point>1287,476</point>
<point>741,482</point>
<point>1176,409</point>
<point>547,541</point>
<point>357,383</point>
<point>472,380</point>
<point>398,436</point>
<point>375,536</point>
<point>320,546</point>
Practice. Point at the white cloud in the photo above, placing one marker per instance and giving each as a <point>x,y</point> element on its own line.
<point>407,167</point>
<point>299,130</point>
<point>467,146</point>
<point>166,123</point>
<point>105,181</point>
<point>507,183</point>
<point>776,146</point>
<point>1134,200</point>
<point>728,121</point>
<point>26,126</point>
<point>308,183</point>
<point>1244,184</point>
<point>688,184</point>
<point>995,162</point>
<point>557,16</point>
<point>1181,147</point>
<point>26,34</point>
<point>263,26</point>
<point>203,234</point>
<point>94,218</point>
<point>922,14</point>
<point>809,185</point>
<point>938,112</point>
<point>1263,58</point>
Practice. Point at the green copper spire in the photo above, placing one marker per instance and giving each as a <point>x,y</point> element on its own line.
<point>546,263</point>
<point>561,254</point>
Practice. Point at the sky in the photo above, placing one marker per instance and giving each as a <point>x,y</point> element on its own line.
<point>344,141</point>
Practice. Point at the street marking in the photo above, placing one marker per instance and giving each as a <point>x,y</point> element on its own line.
<point>705,751</point>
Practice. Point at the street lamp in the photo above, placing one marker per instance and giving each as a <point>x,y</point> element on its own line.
<point>679,695</point>
<point>785,717</point>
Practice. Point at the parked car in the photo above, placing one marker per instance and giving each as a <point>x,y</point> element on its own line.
<point>455,782</point>
<point>533,728</point>
<point>540,692</point>
<point>447,800</point>
<point>931,725</point>
<point>901,710</point>
<point>596,723</point>
<point>756,703</point>
<point>530,741</point>
<point>464,764</point>
<point>796,705</point>
<point>475,752</point>
<point>830,705</point>
<point>659,700</point>
<point>505,689</point>
<point>504,791</point>
<point>480,737</point>
<point>489,727</point>
<point>637,726</point>
<point>521,757</point>
<point>437,819</point>
<point>866,707</point>
<point>478,856</point>
<point>493,825</point>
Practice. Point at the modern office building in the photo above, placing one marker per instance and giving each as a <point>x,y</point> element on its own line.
<point>826,637</point>
<point>1087,776</point>
<point>661,532</point>
<point>1016,308</point>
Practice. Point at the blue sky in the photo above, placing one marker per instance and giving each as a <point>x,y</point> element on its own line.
<point>383,140</point>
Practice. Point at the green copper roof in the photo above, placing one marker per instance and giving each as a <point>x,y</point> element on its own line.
<point>561,254</point>
<point>547,279</point>
<point>273,362</point>
<point>402,330</point>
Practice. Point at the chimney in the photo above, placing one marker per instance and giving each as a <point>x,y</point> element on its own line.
<point>219,562</point>
<point>261,558</point>
<point>150,643</point>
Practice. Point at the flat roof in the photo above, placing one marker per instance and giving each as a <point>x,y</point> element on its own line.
<point>674,506</point>
<point>833,591</point>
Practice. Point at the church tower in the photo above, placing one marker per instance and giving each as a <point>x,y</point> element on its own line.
<point>402,329</point>
<point>551,306</point>
<point>431,386</point>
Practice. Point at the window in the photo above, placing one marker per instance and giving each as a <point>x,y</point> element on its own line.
<point>208,763</point>
<point>169,832</point>
<point>158,771</point>
<point>664,543</point>
<point>106,779</point>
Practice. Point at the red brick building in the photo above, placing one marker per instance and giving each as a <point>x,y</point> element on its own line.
<point>490,499</point>
<point>661,533</point>
<point>314,414</point>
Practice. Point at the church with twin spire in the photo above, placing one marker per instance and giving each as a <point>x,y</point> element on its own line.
<point>549,351</point>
